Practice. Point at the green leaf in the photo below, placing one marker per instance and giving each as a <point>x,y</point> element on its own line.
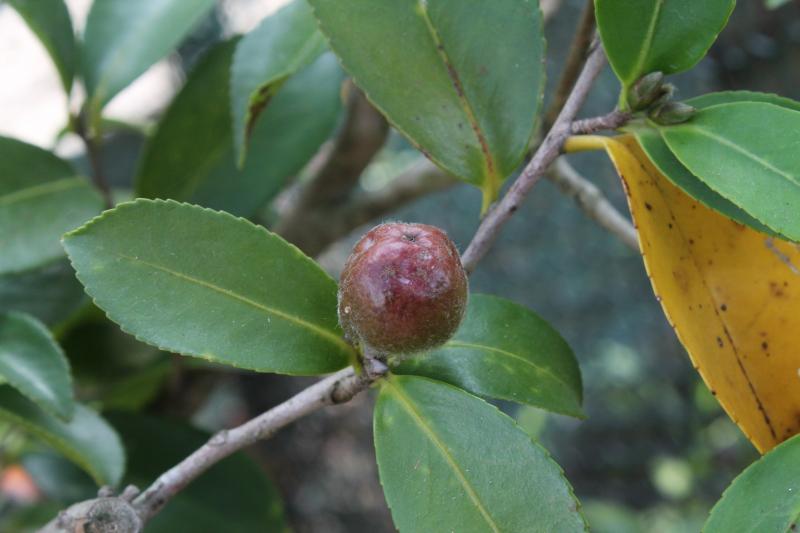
<point>34,364</point>
<point>657,150</point>
<point>203,283</point>
<point>124,38</point>
<point>248,500</point>
<point>50,21</point>
<point>502,350</point>
<point>50,293</point>
<point>448,461</point>
<point>746,152</point>
<point>765,498</point>
<point>24,165</point>
<point>660,155</point>
<point>282,44</point>
<point>191,156</point>
<point>87,440</point>
<point>462,79</point>
<point>729,97</point>
<point>643,36</point>
<point>33,219</point>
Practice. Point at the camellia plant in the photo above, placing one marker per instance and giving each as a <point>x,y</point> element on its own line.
<point>712,182</point>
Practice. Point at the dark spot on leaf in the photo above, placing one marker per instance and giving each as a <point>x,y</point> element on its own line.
<point>719,342</point>
<point>764,345</point>
<point>648,206</point>
<point>723,307</point>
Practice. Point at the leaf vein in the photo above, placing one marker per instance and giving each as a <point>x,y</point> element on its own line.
<point>409,406</point>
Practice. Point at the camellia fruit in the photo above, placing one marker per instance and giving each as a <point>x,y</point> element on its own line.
<point>403,289</point>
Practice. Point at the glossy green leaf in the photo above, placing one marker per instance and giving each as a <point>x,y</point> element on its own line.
<point>746,151</point>
<point>123,39</point>
<point>643,36</point>
<point>729,97</point>
<point>50,21</point>
<point>33,219</point>
<point>51,293</point>
<point>765,498</point>
<point>33,363</point>
<point>204,283</point>
<point>448,74</point>
<point>87,439</point>
<point>658,152</point>
<point>449,461</point>
<point>191,156</point>
<point>502,350</point>
<point>282,44</point>
<point>249,501</point>
<point>24,165</point>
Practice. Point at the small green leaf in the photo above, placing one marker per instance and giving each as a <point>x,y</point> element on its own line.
<point>660,155</point>
<point>33,219</point>
<point>449,461</point>
<point>729,97</point>
<point>765,498</point>
<point>87,440</point>
<point>191,156</point>
<point>249,501</point>
<point>265,58</point>
<point>449,75</point>
<point>124,38</point>
<point>50,21</point>
<point>502,350</point>
<point>34,364</point>
<point>24,165</point>
<point>644,36</point>
<point>204,283</point>
<point>50,293</point>
<point>746,152</point>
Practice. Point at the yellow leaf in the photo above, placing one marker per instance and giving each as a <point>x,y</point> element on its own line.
<point>731,294</point>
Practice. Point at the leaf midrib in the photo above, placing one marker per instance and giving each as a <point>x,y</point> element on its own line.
<point>332,337</point>
<point>488,160</point>
<point>644,51</point>
<point>411,409</point>
<point>738,148</point>
<point>512,355</point>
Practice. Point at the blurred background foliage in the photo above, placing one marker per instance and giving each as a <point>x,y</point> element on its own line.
<point>656,450</point>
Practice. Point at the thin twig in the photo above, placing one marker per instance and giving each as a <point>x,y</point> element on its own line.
<point>335,389</point>
<point>592,202</point>
<point>305,223</point>
<point>577,57</point>
<point>98,177</point>
<point>547,152</point>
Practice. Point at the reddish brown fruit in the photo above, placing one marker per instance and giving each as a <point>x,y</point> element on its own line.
<point>402,290</point>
